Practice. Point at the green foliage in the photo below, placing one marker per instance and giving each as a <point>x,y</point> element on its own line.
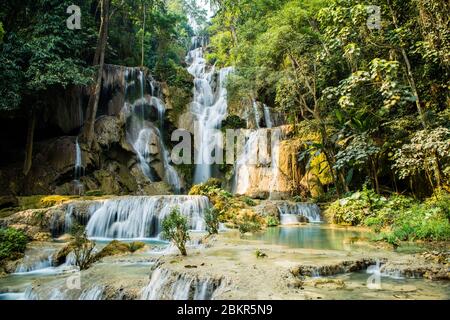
<point>398,218</point>
<point>83,248</point>
<point>429,153</point>
<point>318,62</point>
<point>12,243</point>
<point>234,122</point>
<point>212,220</point>
<point>175,228</point>
<point>248,221</point>
<point>272,221</point>
<point>2,32</point>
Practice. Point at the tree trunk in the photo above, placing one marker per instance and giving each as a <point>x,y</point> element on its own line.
<point>143,36</point>
<point>409,74</point>
<point>88,130</point>
<point>29,145</point>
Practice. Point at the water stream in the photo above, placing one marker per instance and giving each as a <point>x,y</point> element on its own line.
<point>209,108</point>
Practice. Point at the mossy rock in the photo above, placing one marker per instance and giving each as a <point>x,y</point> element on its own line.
<point>115,248</point>
<point>53,200</point>
<point>60,257</point>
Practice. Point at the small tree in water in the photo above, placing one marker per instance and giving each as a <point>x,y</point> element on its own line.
<point>212,220</point>
<point>175,228</point>
<point>83,248</point>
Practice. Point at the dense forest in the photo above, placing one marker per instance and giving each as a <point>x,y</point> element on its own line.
<point>91,91</point>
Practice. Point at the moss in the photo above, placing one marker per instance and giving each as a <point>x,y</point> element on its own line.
<point>94,193</point>
<point>60,257</point>
<point>50,201</point>
<point>115,248</point>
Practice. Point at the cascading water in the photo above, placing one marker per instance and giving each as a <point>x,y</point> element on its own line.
<point>257,114</point>
<point>256,163</point>
<point>33,265</point>
<point>209,107</point>
<point>267,117</point>
<point>167,285</point>
<point>145,136</point>
<point>79,169</point>
<point>141,217</point>
<point>290,213</point>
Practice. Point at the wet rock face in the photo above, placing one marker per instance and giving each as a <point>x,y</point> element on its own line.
<point>8,202</point>
<point>333,269</point>
<point>166,284</point>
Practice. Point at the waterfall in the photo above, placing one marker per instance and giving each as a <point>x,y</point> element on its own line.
<point>145,136</point>
<point>275,154</point>
<point>267,117</point>
<point>256,164</point>
<point>93,293</point>
<point>167,285</point>
<point>256,112</point>
<point>209,107</point>
<point>290,213</point>
<point>40,265</point>
<point>141,217</point>
<point>79,169</point>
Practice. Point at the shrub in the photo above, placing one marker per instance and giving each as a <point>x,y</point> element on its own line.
<point>248,221</point>
<point>12,243</point>
<point>249,201</point>
<point>399,217</point>
<point>272,221</point>
<point>212,220</point>
<point>83,248</point>
<point>175,228</point>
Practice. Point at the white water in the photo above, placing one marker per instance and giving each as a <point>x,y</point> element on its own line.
<point>164,285</point>
<point>93,293</point>
<point>256,113</point>
<point>79,169</point>
<point>147,137</point>
<point>141,217</point>
<point>209,107</point>
<point>290,212</point>
<point>256,159</point>
<point>32,265</point>
<point>267,117</point>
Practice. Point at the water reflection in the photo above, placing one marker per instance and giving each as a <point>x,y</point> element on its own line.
<point>311,236</point>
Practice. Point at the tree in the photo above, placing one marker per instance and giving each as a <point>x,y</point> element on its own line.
<point>99,61</point>
<point>83,248</point>
<point>212,220</point>
<point>176,229</point>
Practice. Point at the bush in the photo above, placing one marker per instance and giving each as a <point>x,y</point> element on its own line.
<point>272,221</point>
<point>83,248</point>
<point>12,243</point>
<point>399,218</point>
<point>248,221</point>
<point>175,229</point>
<point>212,220</point>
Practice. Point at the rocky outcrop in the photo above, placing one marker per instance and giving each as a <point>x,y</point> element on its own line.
<point>43,224</point>
<point>277,173</point>
<point>166,284</point>
<point>333,269</point>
